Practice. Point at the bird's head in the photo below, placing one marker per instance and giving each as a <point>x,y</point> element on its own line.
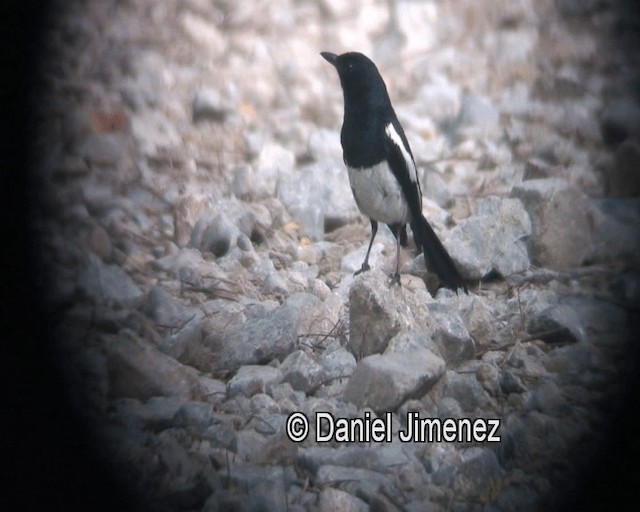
<point>358,74</point>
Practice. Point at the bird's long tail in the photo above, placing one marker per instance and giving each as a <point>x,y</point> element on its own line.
<point>436,256</point>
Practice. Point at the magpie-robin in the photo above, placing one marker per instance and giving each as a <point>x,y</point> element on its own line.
<point>382,172</point>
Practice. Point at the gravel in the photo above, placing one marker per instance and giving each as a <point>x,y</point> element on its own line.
<point>199,238</point>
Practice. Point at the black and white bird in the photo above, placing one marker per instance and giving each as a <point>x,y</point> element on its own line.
<point>382,172</point>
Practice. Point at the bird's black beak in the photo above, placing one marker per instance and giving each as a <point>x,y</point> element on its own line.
<point>330,57</point>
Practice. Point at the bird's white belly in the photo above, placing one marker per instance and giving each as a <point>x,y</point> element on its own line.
<point>378,194</point>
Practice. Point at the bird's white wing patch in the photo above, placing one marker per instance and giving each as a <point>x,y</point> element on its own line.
<point>397,140</point>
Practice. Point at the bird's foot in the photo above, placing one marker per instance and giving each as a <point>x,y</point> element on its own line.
<point>395,279</point>
<point>363,268</point>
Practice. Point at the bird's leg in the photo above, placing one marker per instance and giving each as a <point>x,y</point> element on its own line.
<point>365,264</point>
<point>403,236</point>
<point>396,230</point>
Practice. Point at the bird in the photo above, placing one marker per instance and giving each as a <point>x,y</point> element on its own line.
<point>382,171</point>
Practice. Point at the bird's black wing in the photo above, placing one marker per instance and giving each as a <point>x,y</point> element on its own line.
<point>402,165</point>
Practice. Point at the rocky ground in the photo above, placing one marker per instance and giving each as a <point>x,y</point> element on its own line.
<point>199,240</point>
